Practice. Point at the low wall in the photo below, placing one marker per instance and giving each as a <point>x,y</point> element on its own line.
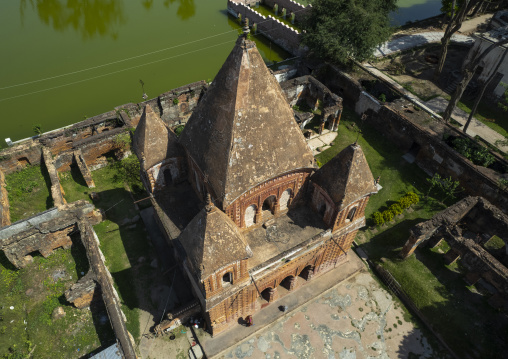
<point>291,6</point>
<point>431,153</point>
<point>96,136</point>
<point>278,32</point>
<point>5,216</point>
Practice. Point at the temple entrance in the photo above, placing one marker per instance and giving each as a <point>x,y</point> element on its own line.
<point>168,179</point>
<point>268,207</point>
<point>284,199</point>
<point>288,283</point>
<point>267,295</point>
<point>307,272</point>
<point>250,215</point>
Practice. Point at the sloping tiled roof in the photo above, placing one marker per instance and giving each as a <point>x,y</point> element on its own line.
<point>212,240</point>
<point>243,131</point>
<point>152,139</point>
<point>346,177</point>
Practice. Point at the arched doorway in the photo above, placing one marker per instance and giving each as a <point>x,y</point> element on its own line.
<point>284,199</point>
<point>250,215</point>
<point>268,295</point>
<point>322,209</point>
<point>288,283</point>
<point>351,214</point>
<point>268,207</point>
<point>307,272</point>
<point>168,178</point>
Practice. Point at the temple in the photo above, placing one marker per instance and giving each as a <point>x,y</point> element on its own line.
<point>239,197</point>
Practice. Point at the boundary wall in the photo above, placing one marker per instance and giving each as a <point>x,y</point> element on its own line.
<point>422,141</point>
<point>268,26</point>
<point>290,6</point>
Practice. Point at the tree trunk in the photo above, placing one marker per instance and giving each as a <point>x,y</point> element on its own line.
<point>442,57</point>
<point>467,74</point>
<point>482,91</point>
<point>453,26</point>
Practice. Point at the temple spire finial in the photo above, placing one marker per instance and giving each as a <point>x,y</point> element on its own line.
<point>246,29</point>
<point>209,203</point>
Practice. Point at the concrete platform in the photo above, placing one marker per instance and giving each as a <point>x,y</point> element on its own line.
<point>268,316</point>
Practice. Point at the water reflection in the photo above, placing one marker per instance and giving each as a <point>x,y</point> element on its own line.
<point>88,17</point>
<point>185,10</point>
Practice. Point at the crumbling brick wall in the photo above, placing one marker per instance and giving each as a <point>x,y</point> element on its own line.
<point>5,216</point>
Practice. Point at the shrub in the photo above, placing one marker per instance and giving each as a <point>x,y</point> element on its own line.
<point>382,97</point>
<point>396,209</point>
<point>388,215</point>
<point>413,197</point>
<point>378,219</point>
<point>404,202</point>
<point>37,129</point>
<point>175,101</point>
<point>477,154</point>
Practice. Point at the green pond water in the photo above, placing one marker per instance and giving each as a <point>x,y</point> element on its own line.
<point>65,60</point>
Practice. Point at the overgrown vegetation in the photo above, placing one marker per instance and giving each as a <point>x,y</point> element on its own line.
<point>122,234</point>
<point>395,209</point>
<point>30,182</point>
<point>474,152</point>
<point>33,293</point>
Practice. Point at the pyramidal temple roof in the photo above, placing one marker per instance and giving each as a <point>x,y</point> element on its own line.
<point>153,140</point>
<point>346,177</point>
<point>243,131</point>
<point>212,240</point>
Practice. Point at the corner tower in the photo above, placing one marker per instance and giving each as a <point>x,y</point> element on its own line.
<point>242,143</point>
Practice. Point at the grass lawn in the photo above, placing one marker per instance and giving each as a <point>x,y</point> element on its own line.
<point>33,293</point>
<point>122,244</point>
<point>31,182</point>
<point>438,291</point>
<point>491,116</point>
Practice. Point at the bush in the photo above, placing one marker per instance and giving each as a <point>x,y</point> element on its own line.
<point>396,209</point>
<point>413,197</point>
<point>378,219</point>
<point>404,202</point>
<point>175,101</point>
<point>382,97</point>
<point>477,154</point>
<point>388,215</point>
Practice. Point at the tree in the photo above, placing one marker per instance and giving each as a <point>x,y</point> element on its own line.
<point>37,129</point>
<point>434,181</point>
<point>457,10</point>
<point>482,91</point>
<point>467,74</point>
<point>345,30</point>
<point>450,188</point>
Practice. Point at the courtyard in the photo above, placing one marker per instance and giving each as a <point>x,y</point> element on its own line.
<point>355,319</point>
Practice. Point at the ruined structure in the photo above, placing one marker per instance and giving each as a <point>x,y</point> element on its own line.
<point>256,215</point>
<point>466,227</point>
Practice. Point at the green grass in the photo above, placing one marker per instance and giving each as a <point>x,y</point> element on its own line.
<point>76,332</point>
<point>122,246</point>
<point>489,115</point>
<point>495,243</point>
<point>31,182</point>
<point>385,159</point>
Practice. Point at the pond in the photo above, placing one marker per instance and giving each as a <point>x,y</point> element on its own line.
<point>65,60</point>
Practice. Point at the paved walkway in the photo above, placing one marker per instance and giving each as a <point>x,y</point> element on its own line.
<point>438,105</point>
<point>321,141</point>
<point>415,40</point>
<point>266,317</point>
<point>476,128</point>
